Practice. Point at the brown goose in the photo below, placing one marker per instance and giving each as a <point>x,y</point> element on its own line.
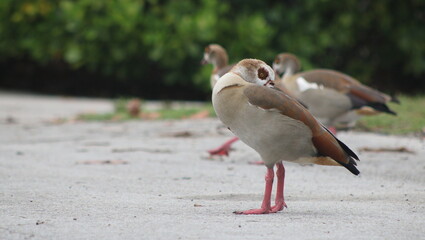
<point>275,125</point>
<point>332,97</point>
<point>217,56</point>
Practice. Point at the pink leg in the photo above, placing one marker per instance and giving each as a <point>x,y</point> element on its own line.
<point>223,149</point>
<point>265,206</point>
<point>280,202</point>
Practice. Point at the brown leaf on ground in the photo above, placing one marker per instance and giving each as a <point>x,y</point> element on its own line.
<point>200,115</point>
<point>151,115</point>
<point>116,118</point>
<point>180,134</point>
<point>11,120</point>
<point>197,205</point>
<point>397,149</point>
<point>57,121</point>
<point>39,222</point>
<point>137,149</point>
<point>103,162</point>
<point>133,107</point>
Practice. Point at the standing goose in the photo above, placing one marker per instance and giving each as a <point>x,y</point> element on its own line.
<point>217,55</point>
<point>275,125</point>
<point>332,97</point>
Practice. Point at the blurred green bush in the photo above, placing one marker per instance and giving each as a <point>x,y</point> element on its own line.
<point>151,46</point>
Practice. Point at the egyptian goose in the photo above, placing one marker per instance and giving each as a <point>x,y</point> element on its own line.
<point>332,97</point>
<point>217,56</point>
<point>275,125</point>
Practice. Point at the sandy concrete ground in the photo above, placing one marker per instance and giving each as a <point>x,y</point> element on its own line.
<point>151,180</point>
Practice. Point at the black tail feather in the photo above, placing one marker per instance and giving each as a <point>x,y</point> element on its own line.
<point>358,102</point>
<point>348,150</point>
<point>345,147</point>
<point>351,166</point>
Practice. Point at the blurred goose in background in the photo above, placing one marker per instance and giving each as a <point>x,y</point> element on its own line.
<point>217,56</point>
<point>275,125</point>
<point>332,97</point>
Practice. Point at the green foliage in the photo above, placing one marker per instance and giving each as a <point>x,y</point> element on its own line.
<point>410,117</point>
<point>121,113</point>
<point>157,44</point>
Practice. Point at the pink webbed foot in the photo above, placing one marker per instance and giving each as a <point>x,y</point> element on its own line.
<point>254,211</point>
<point>224,149</point>
<point>265,206</point>
<point>278,207</point>
<point>220,151</point>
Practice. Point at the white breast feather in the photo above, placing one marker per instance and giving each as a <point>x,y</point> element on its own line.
<point>303,85</point>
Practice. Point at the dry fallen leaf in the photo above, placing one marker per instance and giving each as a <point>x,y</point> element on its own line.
<point>137,149</point>
<point>116,118</point>
<point>57,121</point>
<point>39,222</point>
<point>182,134</point>
<point>133,107</point>
<point>200,115</point>
<point>11,120</point>
<point>151,115</point>
<point>103,162</point>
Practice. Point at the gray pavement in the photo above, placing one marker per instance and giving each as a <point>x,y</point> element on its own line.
<point>152,180</point>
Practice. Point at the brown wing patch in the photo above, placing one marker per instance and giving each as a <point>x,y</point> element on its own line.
<point>326,145</point>
<point>344,83</point>
<point>325,161</point>
<point>270,99</point>
<point>329,79</point>
<point>367,94</point>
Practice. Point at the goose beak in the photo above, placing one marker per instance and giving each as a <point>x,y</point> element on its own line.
<point>269,83</point>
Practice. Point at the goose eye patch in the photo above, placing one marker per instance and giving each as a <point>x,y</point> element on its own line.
<point>262,73</point>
